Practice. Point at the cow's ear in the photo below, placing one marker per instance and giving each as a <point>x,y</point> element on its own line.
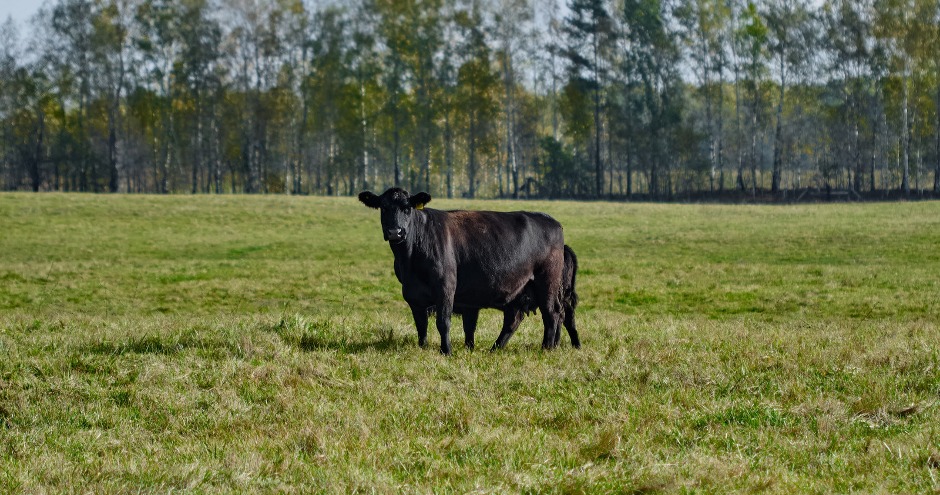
<point>419,200</point>
<point>369,199</point>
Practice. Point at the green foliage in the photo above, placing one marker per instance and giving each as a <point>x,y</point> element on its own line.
<point>476,95</point>
<point>258,344</point>
<point>559,167</point>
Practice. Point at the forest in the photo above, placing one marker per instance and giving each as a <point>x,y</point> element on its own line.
<point>587,99</point>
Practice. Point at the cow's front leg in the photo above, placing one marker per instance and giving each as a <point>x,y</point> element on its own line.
<point>551,320</point>
<point>420,315</point>
<point>443,327</point>
<point>470,317</point>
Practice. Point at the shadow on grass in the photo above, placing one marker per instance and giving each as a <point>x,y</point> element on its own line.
<point>149,344</point>
<point>391,344</point>
<point>312,334</point>
<point>386,342</point>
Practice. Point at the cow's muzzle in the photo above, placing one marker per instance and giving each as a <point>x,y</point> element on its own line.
<point>395,235</point>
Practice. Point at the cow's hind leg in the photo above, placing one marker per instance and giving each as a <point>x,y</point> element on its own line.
<point>551,321</point>
<point>512,317</point>
<point>557,337</point>
<point>470,317</point>
<point>420,315</point>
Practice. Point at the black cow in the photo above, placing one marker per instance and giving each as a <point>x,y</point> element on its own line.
<point>461,261</point>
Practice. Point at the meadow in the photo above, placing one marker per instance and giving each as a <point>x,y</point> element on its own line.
<point>259,344</point>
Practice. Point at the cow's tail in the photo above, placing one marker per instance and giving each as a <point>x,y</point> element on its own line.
<point>570,273</point>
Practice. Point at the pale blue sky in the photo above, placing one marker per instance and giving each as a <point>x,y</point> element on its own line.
<point>21,10</point>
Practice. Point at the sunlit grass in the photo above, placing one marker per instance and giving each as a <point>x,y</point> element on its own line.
<point>260,344</point>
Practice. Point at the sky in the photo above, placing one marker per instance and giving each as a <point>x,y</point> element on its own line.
<point>21,10</point>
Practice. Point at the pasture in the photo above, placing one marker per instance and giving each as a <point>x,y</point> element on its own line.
<point>216,344</point>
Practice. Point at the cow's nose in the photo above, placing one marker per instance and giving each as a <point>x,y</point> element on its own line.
<point>396,234</point>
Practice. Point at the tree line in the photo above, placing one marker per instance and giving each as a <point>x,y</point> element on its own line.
<point>656,99</point>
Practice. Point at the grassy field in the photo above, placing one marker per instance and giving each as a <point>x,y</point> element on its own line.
<point>260,344</point>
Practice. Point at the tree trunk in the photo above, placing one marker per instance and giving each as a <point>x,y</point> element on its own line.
<point>364,130</point>
<point>610,159</point>
<point>112,157</point>
<point>512,176</point>
<point>778,134</point>
<point>739,137</point>
<point>598,167</point>
<point>471,155</point>
<point>654,170</point>
<point>426,163</point>
<point>936,172</point>
<point>216,154</point>
<point>35,175</point>
<point>629,174</point>
<point>197,147</point>
<point>82,161</point>
<point>755,123</point>
<point>448,154</point>
<point>396,151</point>
<point>512,169</point>
<point>857,155</point>
<point>906,142</point>
<point>720,151</point>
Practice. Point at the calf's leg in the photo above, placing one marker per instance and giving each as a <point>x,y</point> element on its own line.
<point>572,330</point>
<point>569,325</point>
<point>548,294</point>
<point>512,317</point>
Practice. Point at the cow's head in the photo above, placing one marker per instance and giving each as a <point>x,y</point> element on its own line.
<point>398,210</point>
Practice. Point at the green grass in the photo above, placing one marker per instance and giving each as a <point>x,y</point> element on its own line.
<point>260,344</point>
